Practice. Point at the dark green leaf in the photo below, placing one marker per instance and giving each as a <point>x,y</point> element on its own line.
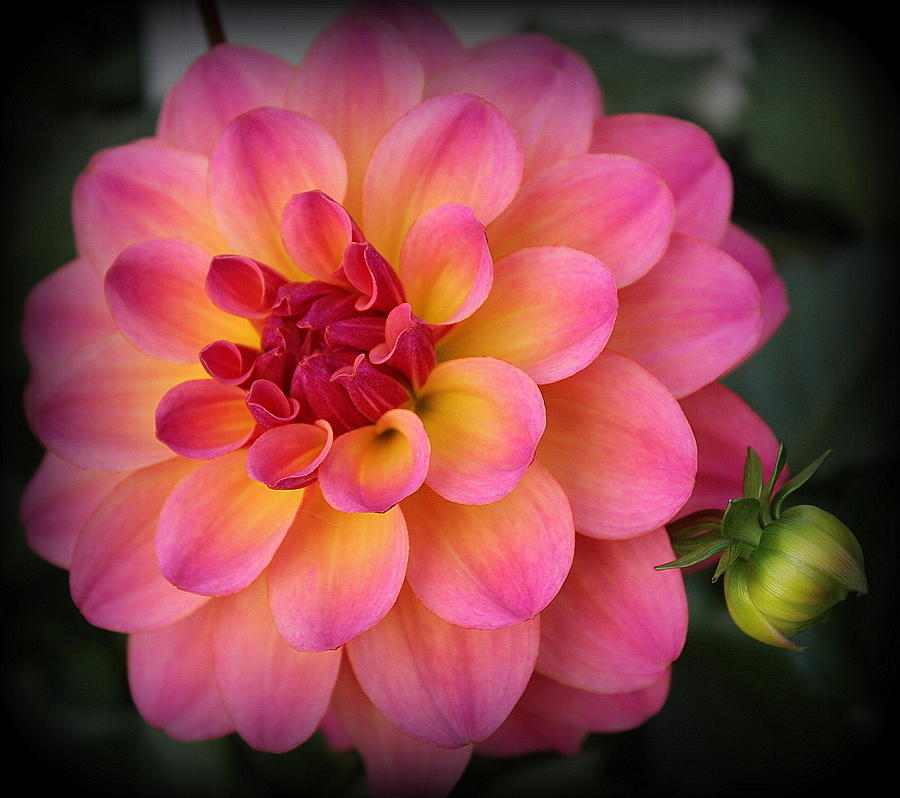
<point>741,521</point>
<point>794,483</point>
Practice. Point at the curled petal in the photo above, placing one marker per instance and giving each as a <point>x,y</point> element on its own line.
<point>204,419</point>
<point>219,529</point>
<point>484,418</point>
<point>440,683</point>
<point>269,406</point>
<point>687,158</point>
<point>621,447</point>
<point>138,192</point>
<point>56,503</point>
<point>493,565</point>
<point>371,390</point>
<point>408,345</point>
<point>115,579</point>
<point>316,230</point>
<point>530,318</point>
<point>445,264</point>
<point>263,158</point>
<point>457,149</point>
<point>172,679</point>
<point>218,86</point>
<point>692,318</point>
<point>286,457</point>
<point>227,362</point>
<point>96,410</point>
<point>616,624</point>
<point>275,694</point>
<point>242,286</point>
<point>397,765</point>
<point>372,276</point>
<point>324,398</point>
<point>372,468</point>
<point>64,312</point>
<point>336,574</point>
<point>611,206</point>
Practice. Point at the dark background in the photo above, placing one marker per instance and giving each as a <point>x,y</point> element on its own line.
<point>814,161</point>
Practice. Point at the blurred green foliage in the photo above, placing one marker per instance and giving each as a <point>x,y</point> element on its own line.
<point>815,178</point>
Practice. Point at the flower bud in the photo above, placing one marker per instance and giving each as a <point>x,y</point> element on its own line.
<point>806,562</point>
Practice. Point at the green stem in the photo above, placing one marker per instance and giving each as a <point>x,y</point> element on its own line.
<point>212,22</point>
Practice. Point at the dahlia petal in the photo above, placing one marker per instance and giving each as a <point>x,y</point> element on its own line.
<point>538,47</point>
<point>611,206</point>
<point>203,419</point>
<point>64,312</point>
<point>275,694</point>
<point>269,406</point>
<point>156,295</point>
<point>242,286</point>
<point>397,765</point>
<point>138,192</point>
<point>371,275</point>
<point>372,391</point>
<point>530,320</point>
<point>692,318</point>
<point>218,86</point>
<point>360,68</point>
<point>172,679</point>
<point>440,683</point>
<point>115,579</point>
<point>757,260</point>
<point>595,712</point>
<point>533,95</point>
<point>219,529</point>
<point>616,624</point>
<point>687,158</point>
<point>524,733</point>
<point>621,447</point>
<point>227,362</point>
<point>371,468</point>
<point>484,418</point>
<point>724,426</point>
<point>445,264</point>
<point>56,503</point>
<point>490,566</point>
<point>335,734</point>
<point>408,345</point>
<point>316,230</point>
<point>286,457</point>
<point>336,574</point>
<point>452,149</point>
<point>96,409</point>
<point>263,158</point>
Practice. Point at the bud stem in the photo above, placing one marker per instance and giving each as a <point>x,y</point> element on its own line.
<point>212,22</point>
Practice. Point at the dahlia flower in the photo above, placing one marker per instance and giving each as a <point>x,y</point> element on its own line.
<point>373,385</point>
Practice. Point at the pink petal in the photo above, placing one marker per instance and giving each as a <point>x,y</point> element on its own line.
<point>242,286</point>
<point>692,318</point>
<point>724,426</point>
<point>316,230</point>
<point>757,260</point>
<point>137,192</point>
<point>617,624</point>
<point>371,275</point>
<point>533,94</point>
<point>286,458</point>
<point>336,574</point>
<point>408,345</point>
<point>445,264</point>
<point>263,158</point>
<point>440,683</point>
<point>115,579</point>
<point>397,765</point>
<point>484,418</point>
<point>360,68</point>
<point>170,672</point>
<point>372,468</point>
<point>155,291</point>
<point>550,312</point>
<point>219,528</point>
<point>595,712</point>
<point>64,312</point>
<point>611,206</point>
<point>56,503</point>
<point>686,157</point>
<point>275,694</point>
<point>219,85</point>
<point>536,46</point>
<point>96,409</point>
<point>337,738</point>
<point>492,565</point>
<point>204,419</point>
<point>453,149</point>
<point>618,442</point>
<point>524,733</point>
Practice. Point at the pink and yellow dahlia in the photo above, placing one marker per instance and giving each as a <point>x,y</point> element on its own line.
<point>373,386</point>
